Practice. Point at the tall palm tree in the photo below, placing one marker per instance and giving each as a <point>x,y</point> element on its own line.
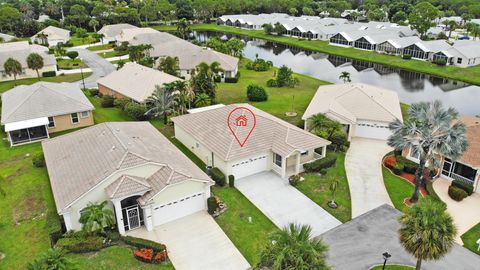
<point>451,24</point>
<point>52,259</point>
<point>345,76</point>
<point>323,126</point>
<point>184,95</point>
<point>95,217</point>
<point>93,23</point>
<point>183,28</point>
<point>427,231</point>
<point>294,248</point>
<point>162,102</point>
<point>430,130</point>
<point>170,65</point>
<point>203,81</point>
<point>35,62</point>
<point>12,67</point>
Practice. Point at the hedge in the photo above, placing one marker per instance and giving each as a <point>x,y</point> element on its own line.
<point>93,92</point>
<point>212,205</point>
<point>107,102</point>
<point>38,160</point>
<point>143,243</point>
<point>320,164</point>
<point>53,226</point>
<point>49,74</point>
<point>457,193</point>
<point>81,244</point>
<point>398,169</point>
<point>468,188</point>
<point>135,111</point>
<point>218,176</point>
<point>231,181</point>
<point>256,93</point>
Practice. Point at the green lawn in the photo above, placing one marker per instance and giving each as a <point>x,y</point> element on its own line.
<point>70,64</point>
<point>316,187</point>
<point>393,267</point>
<point>110,54</point>
<point>471,237</point>
<point>469,75</point>
<point>404,107</point>
<point>113,258</point>
<point>397,188</point>
<point>7,85</point>
<point>76,41</point>
<point>100,47</point>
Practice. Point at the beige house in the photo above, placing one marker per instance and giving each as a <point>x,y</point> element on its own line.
<point>364,110</point>
<point>110,31</point>
<point>53,36</point>
<point>144,178</point>
<point>134,82</point>
<point>31,112</point>
<point>272,145</point>
<point>20,51</point>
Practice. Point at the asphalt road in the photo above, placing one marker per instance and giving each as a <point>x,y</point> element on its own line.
<point>99,66</point>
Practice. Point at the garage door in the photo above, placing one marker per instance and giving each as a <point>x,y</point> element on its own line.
<point>179,208</point>
<point>249,166</point>
<point>372,130</point>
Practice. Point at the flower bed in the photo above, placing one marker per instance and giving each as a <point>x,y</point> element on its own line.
<point>147,255</point>
<point>390,162</point>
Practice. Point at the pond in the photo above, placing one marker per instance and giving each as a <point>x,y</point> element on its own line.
<point>411,86</point>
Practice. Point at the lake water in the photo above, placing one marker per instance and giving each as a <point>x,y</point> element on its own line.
<point>411,86</point>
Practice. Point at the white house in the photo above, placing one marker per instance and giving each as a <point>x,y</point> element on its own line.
<point>6,38</point>
<point>53,36</point>
<point>111,31</point>
<point>364,110</point>
<point>272,145</point>
<point>144,178</point>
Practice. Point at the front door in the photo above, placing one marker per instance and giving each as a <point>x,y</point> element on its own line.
<point>133,217</point>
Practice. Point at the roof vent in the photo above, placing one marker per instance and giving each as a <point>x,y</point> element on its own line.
<point>113,148</point>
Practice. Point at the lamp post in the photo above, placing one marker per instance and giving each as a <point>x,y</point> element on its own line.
<point>386,255</point>
<point>81,71</point>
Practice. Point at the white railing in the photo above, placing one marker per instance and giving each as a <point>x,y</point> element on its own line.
<point>462,179</point>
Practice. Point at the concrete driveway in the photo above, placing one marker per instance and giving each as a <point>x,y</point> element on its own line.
<point>284,204</point>
<point>196,242</point>
<point>99,66</point>
<point>363,165</point>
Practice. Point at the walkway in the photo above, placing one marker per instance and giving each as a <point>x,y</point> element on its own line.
<point>465,213</point>
<point>99,66</point>
<point>284,204</point>
<point>363,165</point>
<point>196,242</point>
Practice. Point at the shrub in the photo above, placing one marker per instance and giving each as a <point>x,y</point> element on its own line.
<point>218,176</point>
<point>51,50</point>
<point>339,140</point>
<point>93,92</point>
<point>143,243</point>
<point>407,56</point>
<point>457,193</point>
<point>256,93</point>
<point>212,205</point>
<point>72,54</point>
<point>135,111</point>
<point>81,244</point>
<point>323,171</point>
<point>231,181</point>
<point>468,188</point>
<point>320,164</point>
<point>259,65</point>
<point>294,179</point>
<point>113,236</point>
<point>38,160</point>
<point>397,169</point>
<point>120,103</point>
<point>397,153</point>
<point>107,101</point>
<point>217,79</point>
<point>68,44</point>
<point>49,74</point>
<point>410,167</point>
<point>53,226</point>
<point>440,62</point>
<point>390,161</point>
<point>272,83</point>
<point>144,255</point>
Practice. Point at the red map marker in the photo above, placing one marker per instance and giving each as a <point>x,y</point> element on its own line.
<point>241,121</point>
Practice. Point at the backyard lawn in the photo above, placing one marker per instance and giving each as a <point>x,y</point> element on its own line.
<point>393,267</point>
<point>100,47</point>
<point>397,188</point>
<point>76,41</point>
<point>110,54</point>
<point>70,64</point>
<point>316,187</point>
<point>4,86</point>
<point>471,237</point>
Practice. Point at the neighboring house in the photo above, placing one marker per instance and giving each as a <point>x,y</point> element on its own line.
<point>134,82</point>
<point>128,34</point>
<point>272,145</point>
<point>6,38</point>
<point>144,178</point>
<point>397,45</point>
<point>51,36</point>
<point>31,112</point>
<point>20,51</point>
<point>467,167</point>
<point>112,30</point>
<point>364,110</point>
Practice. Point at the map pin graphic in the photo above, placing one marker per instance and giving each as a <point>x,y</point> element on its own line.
<point>241,121</point>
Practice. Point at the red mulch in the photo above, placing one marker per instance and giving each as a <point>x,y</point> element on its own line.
<point>407,202</point>
<point>411,178</point>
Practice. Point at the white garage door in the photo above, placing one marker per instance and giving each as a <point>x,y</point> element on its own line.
<point>372,130</point>
<point>250,166</point>
<point>177,209</point>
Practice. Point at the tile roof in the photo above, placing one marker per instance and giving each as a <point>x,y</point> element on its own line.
<point>53,32</point>
<point>112,30</point>
<point>472,155</point>
<point>20,51</point>
<point>126,185</point>
<point>42,99</point>
<point>270,133</point>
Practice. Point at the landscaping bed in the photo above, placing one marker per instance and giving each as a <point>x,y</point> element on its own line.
<point>393,267</point>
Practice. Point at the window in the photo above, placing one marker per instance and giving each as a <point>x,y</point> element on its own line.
<point>84,114</point>
<point>459,60</point>
<point>51,122</point>
<point>414,155</point>
<point>363,43</point>
<point>339,39</point>
<point>304,153</point>
<point>74,118</point>
<point>277,159</point>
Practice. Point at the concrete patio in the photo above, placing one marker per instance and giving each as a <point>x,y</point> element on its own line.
<point>284,204</point>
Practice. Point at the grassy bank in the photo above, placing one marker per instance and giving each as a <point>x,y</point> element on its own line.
<point>469,75</point>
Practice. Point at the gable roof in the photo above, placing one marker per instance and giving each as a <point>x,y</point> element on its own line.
<point>77,162</point>
<point>20,51</point>
<point>126,185</point>
<point>270,133</point>
<point>136,81</point>
<point>472,155</point>
<point>42,99</point>
<point>355,101</point>
<point>112,30</point>
<point>127,34</point>
<point>53,32</point>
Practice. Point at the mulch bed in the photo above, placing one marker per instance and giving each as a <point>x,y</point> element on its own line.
<point>411,178</point>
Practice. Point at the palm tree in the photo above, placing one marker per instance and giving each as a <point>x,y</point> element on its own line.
<point>475,31</point>
<point>169,65</point>
<point>345,76</point>
<point>184,95</point>
<point>12,67</point>
<point>427,231</point>
<point>323,126</point>
<point>294,248</point>
<point>183,28</point>
<point>451,24</point>
<point>203,81</point>
<point>162,102</point>
<point>430,130</point>
<point>59,50</point>
<point>53,259</point>
<point>35,62</point>
<point>202,100</point>
<point>93,23</point>
<point>43,38</point>
<point>95,217</point>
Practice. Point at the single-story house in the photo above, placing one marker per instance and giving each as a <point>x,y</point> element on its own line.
<point>5,37</point>
<point>144,178</point>
<point>20,51</point>
<point>31,112</point>
<point>370,41</point>
<point>424,50</point>
<point>127,34</point>
<point>273,144</point>
<point>52,36</point>
<point>110,31</point>
<point>462,53</point>
<point>396,45</point>
<point>364,110</point>
<point>134,82</point>
<point>467,167</point>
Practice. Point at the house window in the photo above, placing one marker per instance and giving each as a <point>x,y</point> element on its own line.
<point>414,155</point>
<point>304,153</point>
<point>84,114</point>
<point>74,118</point>
<point>51,122</point>
<point>459,60</point>
<point>277,159</point>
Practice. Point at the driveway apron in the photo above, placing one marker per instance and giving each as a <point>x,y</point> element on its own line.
<point>99,66</point>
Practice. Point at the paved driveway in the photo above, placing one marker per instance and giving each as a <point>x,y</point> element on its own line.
<point>284,204</point>
<point>99,66</point>
<point>363,164</point>
<point>196,242</point>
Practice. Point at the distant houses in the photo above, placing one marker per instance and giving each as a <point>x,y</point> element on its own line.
<point>110,31</point>
<point>51,36</point>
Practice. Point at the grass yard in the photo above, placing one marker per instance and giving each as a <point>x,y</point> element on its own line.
<point>76,41</point>
<point>404,107</point>
<point>100,47</point>
<point>397,188</point>
<point>110,54</point>
<point>280,100</point>
<point>471,237</point>
<point>70,64</point>
<point>7,85</point>
<point>316,187</point>
<point>116,61</point>
<point>393,267</point>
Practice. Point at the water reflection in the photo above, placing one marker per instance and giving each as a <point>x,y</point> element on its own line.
<point>411,86</point>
